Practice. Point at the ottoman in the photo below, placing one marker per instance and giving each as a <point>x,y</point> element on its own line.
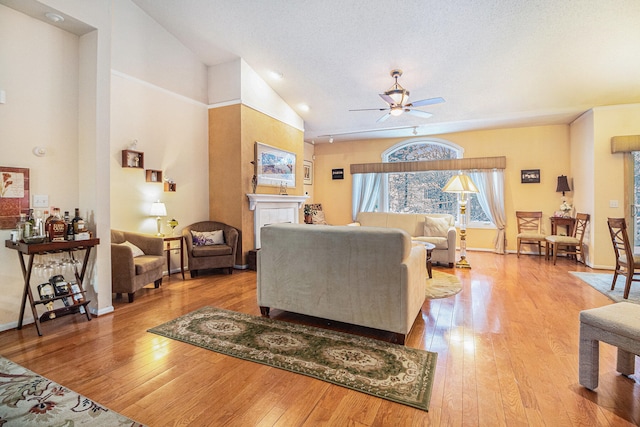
<point>616,324</point>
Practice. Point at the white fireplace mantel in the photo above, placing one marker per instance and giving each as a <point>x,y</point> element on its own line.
<point>254,199</point>
<point>273,209</point>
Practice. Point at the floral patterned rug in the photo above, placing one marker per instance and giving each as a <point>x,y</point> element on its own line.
<point>388,371</point>
<point>28,399</point>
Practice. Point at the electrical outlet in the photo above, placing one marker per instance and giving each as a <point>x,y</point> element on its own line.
<point>40,201</point>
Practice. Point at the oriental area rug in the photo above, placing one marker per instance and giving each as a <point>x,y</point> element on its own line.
<point>442,285</point>
<point>602,283</point>
<point>28,399</point>
<point>389,371</point>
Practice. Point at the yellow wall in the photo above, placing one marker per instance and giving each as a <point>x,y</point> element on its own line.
<point>233,132</point>
<point>544,147</point>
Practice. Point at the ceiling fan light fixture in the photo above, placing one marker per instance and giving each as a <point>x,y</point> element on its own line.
<point>399,95</point>
<point>396,110</point>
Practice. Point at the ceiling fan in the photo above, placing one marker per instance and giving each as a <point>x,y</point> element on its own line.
<point>397,98</point>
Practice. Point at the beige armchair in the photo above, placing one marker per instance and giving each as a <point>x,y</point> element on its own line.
<point>208,249</point>
<point>133,267</point>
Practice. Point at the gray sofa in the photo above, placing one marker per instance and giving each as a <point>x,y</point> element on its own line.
<point>366,276</point>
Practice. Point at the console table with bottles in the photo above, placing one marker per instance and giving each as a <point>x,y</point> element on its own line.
<point>31,250</point>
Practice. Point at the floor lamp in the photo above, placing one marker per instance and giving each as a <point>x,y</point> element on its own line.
<point>462,185</point>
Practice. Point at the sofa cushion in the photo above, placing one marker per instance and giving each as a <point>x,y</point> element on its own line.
<point>211,250</point>
<point>435,227</point>
<point>207,238</point>
<point>136,251</point>
<point>440,242</point>
<point>147,263</point>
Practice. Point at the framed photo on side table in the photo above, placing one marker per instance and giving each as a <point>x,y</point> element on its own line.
<point>308,172</point>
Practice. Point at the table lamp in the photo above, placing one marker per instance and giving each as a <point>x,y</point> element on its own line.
<point>158,209</point>
<point>462,185</point>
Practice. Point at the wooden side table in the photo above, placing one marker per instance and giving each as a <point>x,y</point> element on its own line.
<point>557,221</point>
<point>168,250</point>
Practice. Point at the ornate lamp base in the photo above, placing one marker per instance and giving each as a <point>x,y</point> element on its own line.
<point>463,263</point>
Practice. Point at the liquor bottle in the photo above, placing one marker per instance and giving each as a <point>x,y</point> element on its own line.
<point>69,225</point>
<point>57,229</point>
<point>28,226</point>
<point>47,221</point>
<point>76,295</point>
<point>46,292</point>
<point>78,223</point>
<point>21,225</point>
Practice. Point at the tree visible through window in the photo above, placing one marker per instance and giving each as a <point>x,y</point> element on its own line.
<point>421,192</point>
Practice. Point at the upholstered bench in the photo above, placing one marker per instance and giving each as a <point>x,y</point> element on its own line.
<point>616,324</point>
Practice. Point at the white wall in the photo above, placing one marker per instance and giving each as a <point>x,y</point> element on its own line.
<point>158,97</point>
<point>40,77</point>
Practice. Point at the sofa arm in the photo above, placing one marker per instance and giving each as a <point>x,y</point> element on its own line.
<point>452,235</point>
<point>122,266</point>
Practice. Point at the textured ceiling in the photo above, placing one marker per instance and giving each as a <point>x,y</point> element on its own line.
<point>497,63</point>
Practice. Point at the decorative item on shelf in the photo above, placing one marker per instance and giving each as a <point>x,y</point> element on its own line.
<point>153,175</point>
<point>173,223</point>
<point>308,213</point>
<point>462,185</point>
<point>254,178</point>
<point>132,159</point>
<point>158,209</point>
<point>169,185</point>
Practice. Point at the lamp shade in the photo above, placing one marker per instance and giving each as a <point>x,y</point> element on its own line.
<point>158,209</point>
<point>460,184</point>
<point>563,185</point>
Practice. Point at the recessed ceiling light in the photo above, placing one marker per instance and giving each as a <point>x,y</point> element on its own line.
<point>277,75</point>
<point>54,17</point>
<point>303,107</point>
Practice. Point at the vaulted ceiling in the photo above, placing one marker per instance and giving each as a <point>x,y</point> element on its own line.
<point>497,63</point>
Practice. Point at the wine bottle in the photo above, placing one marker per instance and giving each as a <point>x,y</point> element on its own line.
<point>46,292</point>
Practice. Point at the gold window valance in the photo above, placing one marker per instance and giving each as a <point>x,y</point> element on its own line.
<point>625,144</point>
<point>430,165</point>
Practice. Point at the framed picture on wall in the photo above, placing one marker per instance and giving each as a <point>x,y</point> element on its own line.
<point>308,172</point>
<point>530,176</point>
<point>275,167</point>
<point>14,195</point>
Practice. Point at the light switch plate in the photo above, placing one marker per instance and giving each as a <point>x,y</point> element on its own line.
<point>40,201</point>
<point>613,203</point>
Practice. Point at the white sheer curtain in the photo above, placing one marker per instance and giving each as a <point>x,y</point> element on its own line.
<point>490,183</point>
<point>366,192</point>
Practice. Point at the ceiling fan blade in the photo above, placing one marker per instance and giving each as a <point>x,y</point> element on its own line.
<point>424,102</point>
<point>418,113</point>
<point>383,118</point>
<point>370,109</point>
<point>389,100</point>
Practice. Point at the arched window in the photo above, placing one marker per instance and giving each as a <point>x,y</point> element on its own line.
<point>421,192</point>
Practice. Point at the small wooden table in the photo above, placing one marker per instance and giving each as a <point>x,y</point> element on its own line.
<point>558,221</point>
<point>168,250</point>
<point>428,247</point>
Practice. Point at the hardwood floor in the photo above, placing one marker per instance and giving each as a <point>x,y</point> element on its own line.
<point>507,355</point>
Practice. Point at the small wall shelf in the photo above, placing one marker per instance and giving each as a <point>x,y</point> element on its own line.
<point>153,175</point>
<point>169,186</point>
<point>132,159</point>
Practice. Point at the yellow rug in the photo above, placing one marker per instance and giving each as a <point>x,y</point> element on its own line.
<point>442,285</point>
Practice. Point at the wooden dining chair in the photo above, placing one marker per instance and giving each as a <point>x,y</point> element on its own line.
<point>529,230</point>
<point>571,245</point>
<point>626,261</point>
